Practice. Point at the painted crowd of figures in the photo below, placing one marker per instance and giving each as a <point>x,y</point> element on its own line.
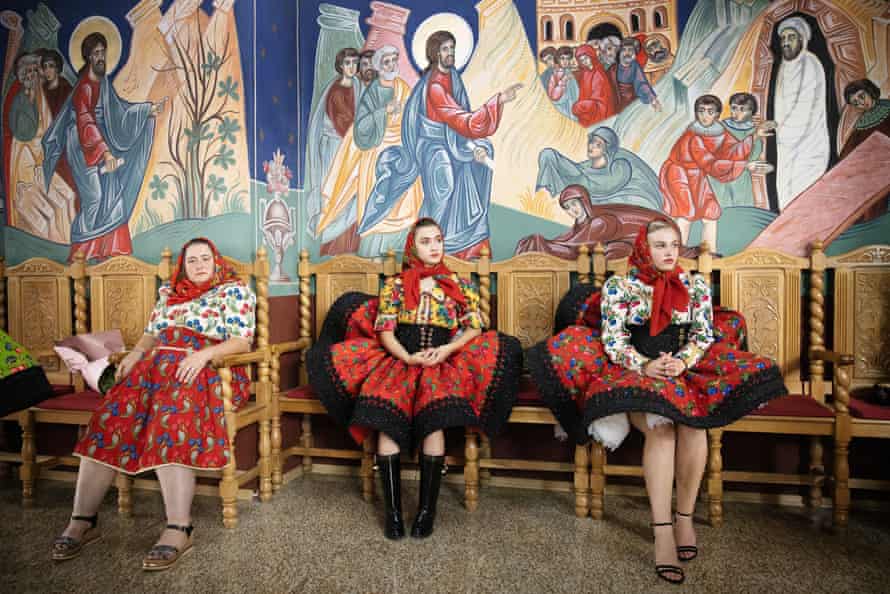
<point>74,152</point>
<point>380,154</point>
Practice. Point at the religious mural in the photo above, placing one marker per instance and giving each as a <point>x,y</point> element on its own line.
<point>96,151</point>
<point>596,117</point>
<point>521,125</point>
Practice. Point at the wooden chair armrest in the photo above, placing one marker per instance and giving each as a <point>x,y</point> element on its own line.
<point>840,359</point>
<point>288,347</point>
<point>260,355</point>
<point>116,358</point>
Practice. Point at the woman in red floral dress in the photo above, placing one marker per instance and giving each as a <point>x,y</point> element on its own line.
<point>166,411</point>
<point>412,363</point>
<point>648,347</point>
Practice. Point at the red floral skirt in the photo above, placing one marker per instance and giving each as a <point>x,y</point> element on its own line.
<point>150,419</point>
<point>580,383</point>
<point>366,389</point>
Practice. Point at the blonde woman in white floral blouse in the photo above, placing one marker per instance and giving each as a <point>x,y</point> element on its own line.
<point>647,348</point>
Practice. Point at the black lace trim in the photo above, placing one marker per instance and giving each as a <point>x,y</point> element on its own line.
<point>382,416</point>
<point>760,388</point>
<point>324,380</point>
<point>504,388</point>
<point>569,308</point>
<point>335,323</point>
<point>451,411</point>
<point>556,396</point>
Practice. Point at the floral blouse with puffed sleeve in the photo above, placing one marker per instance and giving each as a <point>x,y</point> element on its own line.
<point>223,312</point>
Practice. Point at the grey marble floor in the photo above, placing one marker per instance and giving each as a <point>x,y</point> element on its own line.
<point>317,535</point>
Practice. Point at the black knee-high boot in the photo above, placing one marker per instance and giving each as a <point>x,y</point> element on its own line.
<point>390,475</point>
<point>431,468</point>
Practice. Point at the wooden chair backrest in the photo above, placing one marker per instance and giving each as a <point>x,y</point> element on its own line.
<point>40,311</point>
<point>529,289</point>
<point>345,273</point>
<point>123,292</point>
<point>862,311</point>
<point>765,287</point>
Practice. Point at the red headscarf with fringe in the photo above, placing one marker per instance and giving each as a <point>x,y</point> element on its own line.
<point>414,270</point>
<point>669,293</point>
<point>183,290</point>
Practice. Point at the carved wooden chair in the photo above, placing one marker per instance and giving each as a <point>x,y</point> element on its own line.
<point>529,289</point>
<point>599,469</point>
<point>766,287</point>
<point>40,313</point>
<point>861,333</point>
<point>258,410</point>
<point>333,278</point>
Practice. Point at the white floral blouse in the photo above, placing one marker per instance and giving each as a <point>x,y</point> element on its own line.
<point>627,301</point>
<point>226,311</point>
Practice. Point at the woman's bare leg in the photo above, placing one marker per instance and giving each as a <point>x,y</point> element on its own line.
<point>434,444</point>
<point>93,481</point>
<point>692,455</point>
<point>178,490</point>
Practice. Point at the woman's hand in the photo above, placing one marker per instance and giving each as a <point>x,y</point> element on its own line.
<point>664,367</point>
<point>189,368</point>
<point>436,355</point>
<point>126,365</point>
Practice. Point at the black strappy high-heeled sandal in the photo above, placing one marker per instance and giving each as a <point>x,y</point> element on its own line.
<point>672,574</point>
<point>162,557</point>
<point>686,553</point>
<point>66,547</point>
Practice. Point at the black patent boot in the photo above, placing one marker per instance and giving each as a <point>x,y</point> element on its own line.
<point>431,470</point>
<point>390,476</point>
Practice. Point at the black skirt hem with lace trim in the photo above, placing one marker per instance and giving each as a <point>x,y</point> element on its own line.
<point>745,397</point>
<point>568,311</point>
<point>556,396</point>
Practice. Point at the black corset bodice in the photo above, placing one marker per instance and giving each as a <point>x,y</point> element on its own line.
<point>670,340</point>
<point>416,337</point>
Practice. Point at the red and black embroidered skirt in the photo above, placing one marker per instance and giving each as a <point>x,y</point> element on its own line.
<point>580,383</point>
<point>150,419</point>
<point>366,389</point>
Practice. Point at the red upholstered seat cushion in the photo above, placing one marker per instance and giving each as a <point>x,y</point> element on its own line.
<point>301,393</point>
<point>794,406</point>
<point>80,401</point>
<point>528,393</point>
<point>866,410</point>
<point>62,389</point>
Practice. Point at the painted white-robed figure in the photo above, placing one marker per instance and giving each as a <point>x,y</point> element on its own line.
<point>802,141</point>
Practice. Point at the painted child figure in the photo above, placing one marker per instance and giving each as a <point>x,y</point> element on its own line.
<point>705,150</point>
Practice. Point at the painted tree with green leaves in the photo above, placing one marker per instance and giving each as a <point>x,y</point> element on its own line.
<point>203,126</point>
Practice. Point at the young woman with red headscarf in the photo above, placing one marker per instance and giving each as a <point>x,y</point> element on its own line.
<point>165,413</point>
<point>648,347</point>
<point>409,364</point>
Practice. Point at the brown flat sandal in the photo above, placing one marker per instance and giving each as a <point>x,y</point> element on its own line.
<point>66,547</point>
<point>161,557</point>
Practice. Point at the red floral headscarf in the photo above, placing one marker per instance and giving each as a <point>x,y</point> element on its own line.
<point>183,290</point>
<point>669,293</point>
<point>414,270</point>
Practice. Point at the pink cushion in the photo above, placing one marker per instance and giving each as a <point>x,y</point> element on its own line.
<point>866,410</point>
<point>79,401</point>
<point>301,393</point>
<point>95,345</point>
<point>794,406</point>
<point>62,389</point>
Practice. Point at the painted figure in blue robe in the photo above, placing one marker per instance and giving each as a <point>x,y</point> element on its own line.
<point>740,191</point>
<point>445,143</point>
<point>548,58</point>
<point>630,81</point>
<point>107,143</point>
<point>331,122</point>
<point>611,174</point>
